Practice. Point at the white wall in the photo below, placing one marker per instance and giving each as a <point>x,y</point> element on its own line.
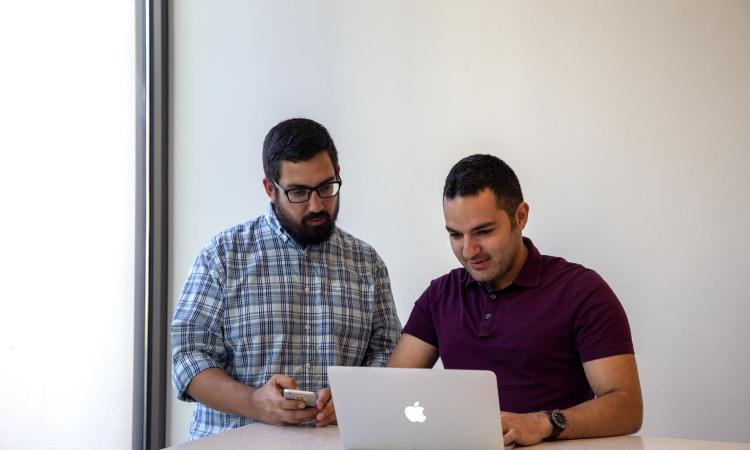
<point>627,123</point>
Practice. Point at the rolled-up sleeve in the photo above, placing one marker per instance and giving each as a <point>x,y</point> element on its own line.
<point>197,334</point>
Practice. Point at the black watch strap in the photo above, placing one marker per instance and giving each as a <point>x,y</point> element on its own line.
<point>558,421</point>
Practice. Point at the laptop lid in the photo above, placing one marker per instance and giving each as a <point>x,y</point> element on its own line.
<point>379,408</point>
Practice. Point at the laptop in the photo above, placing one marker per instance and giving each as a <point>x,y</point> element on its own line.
<point>380,408</point>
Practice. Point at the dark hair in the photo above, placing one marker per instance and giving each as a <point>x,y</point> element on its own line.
<point>295,140</point>
<point>475,173</point>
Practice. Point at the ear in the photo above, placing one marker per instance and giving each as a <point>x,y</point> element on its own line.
<point>270,189</point>
<point>522,215</point>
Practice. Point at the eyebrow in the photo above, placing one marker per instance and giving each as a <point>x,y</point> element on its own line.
<point>478,227</point>
<point>303,186</point>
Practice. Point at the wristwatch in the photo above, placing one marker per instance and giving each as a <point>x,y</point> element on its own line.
<point>558,420</point>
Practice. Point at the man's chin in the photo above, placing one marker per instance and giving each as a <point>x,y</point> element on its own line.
<point>482,276</point>
<point>318,233</point>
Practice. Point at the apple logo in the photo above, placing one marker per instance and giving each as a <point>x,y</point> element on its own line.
<point>415,413</point>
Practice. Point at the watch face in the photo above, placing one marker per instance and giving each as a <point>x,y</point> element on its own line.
<point>559,419</point>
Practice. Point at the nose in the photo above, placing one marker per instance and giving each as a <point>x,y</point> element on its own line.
<point>470,248</point>
<point>315,204</point>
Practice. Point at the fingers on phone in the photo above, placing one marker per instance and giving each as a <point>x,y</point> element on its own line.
<point>286,404</point>
<point>283,381</point>
<point>298,416</point>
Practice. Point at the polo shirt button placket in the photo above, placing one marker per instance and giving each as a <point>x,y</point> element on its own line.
<point>486,327</point>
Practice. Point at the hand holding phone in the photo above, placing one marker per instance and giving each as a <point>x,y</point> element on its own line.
<point>268,405</point>
<point>304,396</point>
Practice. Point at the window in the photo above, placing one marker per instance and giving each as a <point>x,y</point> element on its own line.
<point>67,179</point>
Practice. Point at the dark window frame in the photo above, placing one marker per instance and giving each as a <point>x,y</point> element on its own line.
<point>151,223</point>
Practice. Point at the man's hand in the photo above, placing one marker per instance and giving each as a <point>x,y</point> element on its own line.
<point>269,405</point>
<point>525,429</point>
<point>326,411</point>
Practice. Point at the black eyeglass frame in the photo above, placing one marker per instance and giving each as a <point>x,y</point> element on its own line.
<point>310,190</point>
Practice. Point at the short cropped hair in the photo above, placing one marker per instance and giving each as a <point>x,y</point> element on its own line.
<point>475,173</point>
<point>295,140</point>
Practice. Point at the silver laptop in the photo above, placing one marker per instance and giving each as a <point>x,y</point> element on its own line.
<point>379,408</point>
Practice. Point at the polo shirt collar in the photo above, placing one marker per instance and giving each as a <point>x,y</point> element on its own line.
<point>530,273</point>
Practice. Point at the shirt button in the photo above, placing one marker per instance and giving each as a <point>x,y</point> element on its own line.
<point>307,327</point>
<point>307,290</point>
<point>488,316</point>
<point>307,366</point>
<point>493,296</point>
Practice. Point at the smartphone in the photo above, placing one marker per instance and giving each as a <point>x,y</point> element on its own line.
<point>304,396</point>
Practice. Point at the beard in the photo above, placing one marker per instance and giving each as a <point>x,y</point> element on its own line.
<point>304,233</point>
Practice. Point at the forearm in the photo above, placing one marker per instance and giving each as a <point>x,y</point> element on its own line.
<point>413,352</point>
<point>216,389</point>
<point>612,414</point>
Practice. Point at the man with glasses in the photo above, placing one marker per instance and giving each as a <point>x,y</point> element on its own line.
<point>271,303</point>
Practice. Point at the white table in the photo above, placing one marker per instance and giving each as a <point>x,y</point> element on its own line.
<point>261,436</point>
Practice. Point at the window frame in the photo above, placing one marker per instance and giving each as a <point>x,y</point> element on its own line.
<point>151,222</point>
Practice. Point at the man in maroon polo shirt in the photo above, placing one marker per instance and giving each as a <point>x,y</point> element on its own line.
<point>553,331</point>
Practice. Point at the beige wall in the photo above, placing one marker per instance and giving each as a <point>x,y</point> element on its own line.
<point>627,123</point>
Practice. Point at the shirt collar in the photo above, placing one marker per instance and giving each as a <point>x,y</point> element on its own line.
<point>275,225</point>
<point>530,273</point>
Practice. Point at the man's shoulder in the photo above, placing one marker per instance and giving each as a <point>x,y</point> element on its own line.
<point>555,267</point>
<point>571,278</point>
<point>447,290</point>
<point>238,235</point>
<point>457,278</point>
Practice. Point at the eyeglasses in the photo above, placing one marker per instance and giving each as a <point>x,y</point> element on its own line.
<point>301,195</point>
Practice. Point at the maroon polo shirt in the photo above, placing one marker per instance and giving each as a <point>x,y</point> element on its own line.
<point>534,334</point>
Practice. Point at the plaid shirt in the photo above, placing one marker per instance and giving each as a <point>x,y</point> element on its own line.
<point>256,304</point>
